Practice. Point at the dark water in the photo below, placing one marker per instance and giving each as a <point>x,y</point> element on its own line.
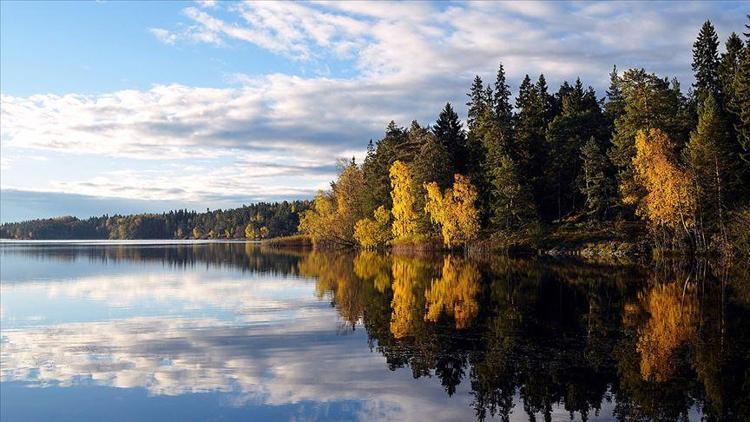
<point>229,331</point>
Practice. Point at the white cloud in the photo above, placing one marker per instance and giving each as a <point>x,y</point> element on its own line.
<point>164,36</point>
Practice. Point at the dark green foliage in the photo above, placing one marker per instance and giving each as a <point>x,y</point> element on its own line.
<point>596,181</point>
<point>614,107</point>
<point>280,219</point>
<point>529,151</point>
<point>449,132</point>
<point>511,202</point>
<point>579,120</point>
<point>433,163</point>
<point>477,102</point>
<point>706,63</point>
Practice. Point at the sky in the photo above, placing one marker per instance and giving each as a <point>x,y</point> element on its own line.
<point>122,107</point>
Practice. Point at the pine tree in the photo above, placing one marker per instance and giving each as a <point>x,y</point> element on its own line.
<point>615,105</point>
<point>706,63</point>
<point>580,119</point>
<point>597,183</point>
<point>477,102</point>
<point>433,163</point>
<point>544,105</point>
<point>449,132</point>
<point>729,66</point>
<point>503,108</point>
<point>528,151</point>
<point>710,161</point>
<point>512,204</point>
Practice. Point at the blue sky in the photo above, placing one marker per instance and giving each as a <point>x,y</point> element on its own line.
<point>143,106</point>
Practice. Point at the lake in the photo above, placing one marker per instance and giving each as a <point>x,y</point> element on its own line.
<point>96,331</point>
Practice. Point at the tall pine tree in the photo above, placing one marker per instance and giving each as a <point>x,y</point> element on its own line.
<point>706,63</point>
<point>449,133</point>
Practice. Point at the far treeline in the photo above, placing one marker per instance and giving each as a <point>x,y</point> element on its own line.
<point>646,155</point>
<point>257,221</point>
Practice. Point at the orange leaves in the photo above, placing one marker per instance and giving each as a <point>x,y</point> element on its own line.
<point>668,202</point>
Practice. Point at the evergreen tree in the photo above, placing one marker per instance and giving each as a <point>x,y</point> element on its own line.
<point>706,63</point>
<point>502,106</point>
<point>614,107</point>
<point>450,134</point>
<point>597,182</point>
<point>433,163</point>
<point>729,66</point>
<point>579,120</point>
<point>477,102</point>
<point>544,99</point>
<point>710,161</point>
<point>528,151</point>
<point>512,204</point>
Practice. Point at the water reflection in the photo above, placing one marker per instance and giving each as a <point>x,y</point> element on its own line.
<point>510,339</point>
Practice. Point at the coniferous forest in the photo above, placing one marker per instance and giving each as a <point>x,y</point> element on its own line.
<point>257,221</point>
<point>643,161</point>
<point>646,161</point>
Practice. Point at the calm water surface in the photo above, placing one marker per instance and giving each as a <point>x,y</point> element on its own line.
<point>231,331</point>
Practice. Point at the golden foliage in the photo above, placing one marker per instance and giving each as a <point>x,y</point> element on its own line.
<point>454,211</point>
<point>374,233</point>
<point>404,197</point>
<point>333,214</point>
<point>407,305</point>
<point>671,323</point>
<point>373,266</point>
<point>455,292</point>
<point>668,202</point>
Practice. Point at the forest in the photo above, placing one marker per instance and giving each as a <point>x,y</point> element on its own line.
<point>257,221</point>
<point>675,166</point>
<point>643,163</point>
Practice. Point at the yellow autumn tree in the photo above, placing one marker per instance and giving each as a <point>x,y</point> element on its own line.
<point>454,211</point>
<point>668,203</point>
<point>405,216</point>
<point>374,233</point>
<point>332,218</point>
<point>454,293</point>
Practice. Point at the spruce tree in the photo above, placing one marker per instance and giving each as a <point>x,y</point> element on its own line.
<point>528,151</point>
<point>449,132</point>
<point>579,120</point>
<point>433,163</point>
<point>477,102</point>
<point>596,182</point>
<point>614,107</point>
<point>706,63</point>
<point>503,108</point>
<point>709,156</point>
<point>512,204</point>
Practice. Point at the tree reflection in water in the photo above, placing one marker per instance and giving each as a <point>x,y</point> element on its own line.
<point>657,341</point>
<point>663,342</point>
